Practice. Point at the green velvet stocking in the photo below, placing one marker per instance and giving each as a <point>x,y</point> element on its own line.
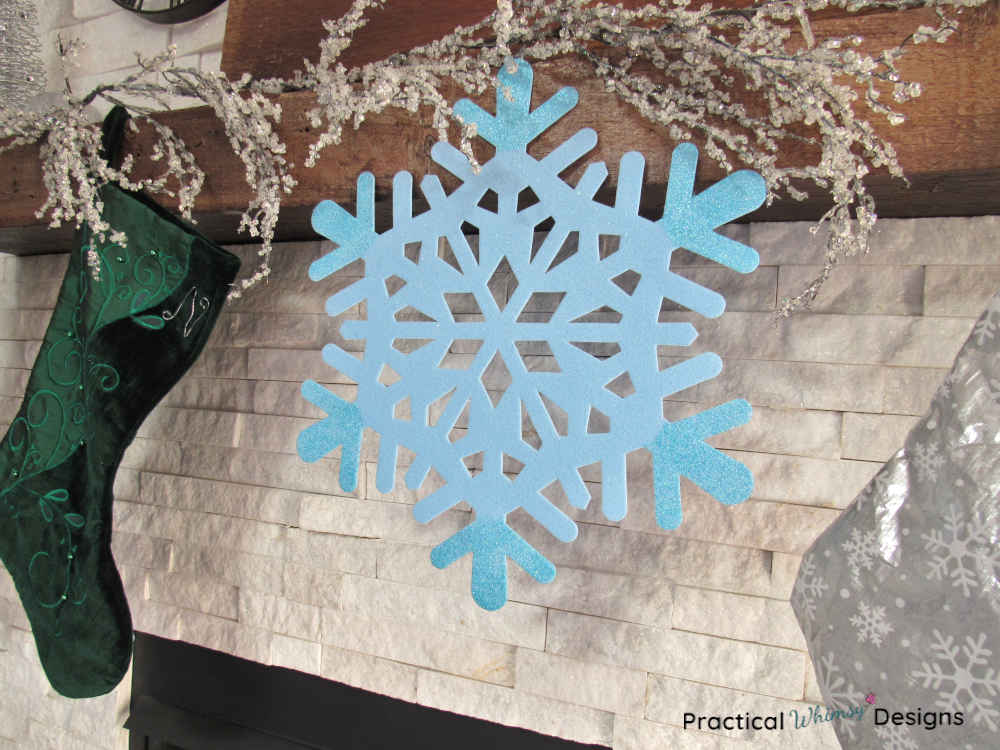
<point>128,322</point>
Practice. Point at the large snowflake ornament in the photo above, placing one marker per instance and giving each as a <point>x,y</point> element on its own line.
<point>454,327</point>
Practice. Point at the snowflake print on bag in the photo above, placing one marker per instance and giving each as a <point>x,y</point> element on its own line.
<point>895,737</point>
<point>927,460</point>
<point>964,551</point>
<point>986,327</point>
<point>862,551</point>
<point>838,691</point>
<point>963,677</point>
<point>454,331</point>
<point>809,586</point>
<point>871,623</point>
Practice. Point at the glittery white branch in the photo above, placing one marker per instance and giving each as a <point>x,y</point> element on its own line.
<point>676,65</point>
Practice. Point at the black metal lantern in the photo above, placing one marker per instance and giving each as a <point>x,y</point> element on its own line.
<point>170,11</point>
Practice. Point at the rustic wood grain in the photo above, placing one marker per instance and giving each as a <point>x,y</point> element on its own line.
<point>950,145</point>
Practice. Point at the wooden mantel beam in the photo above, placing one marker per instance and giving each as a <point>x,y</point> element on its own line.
<point>949,146</point>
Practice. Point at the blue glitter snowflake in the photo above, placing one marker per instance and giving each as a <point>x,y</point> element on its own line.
<point>453,328</point>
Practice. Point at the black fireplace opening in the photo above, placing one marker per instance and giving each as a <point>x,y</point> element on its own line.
<point>186,697</point>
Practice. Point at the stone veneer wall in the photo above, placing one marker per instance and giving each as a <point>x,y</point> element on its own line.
<point>226,539</point>
<point>112,36</point>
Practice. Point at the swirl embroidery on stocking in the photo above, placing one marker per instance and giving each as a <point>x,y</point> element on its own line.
<point>51,507</point>
<point>198,304</point>
<point>112,285</point>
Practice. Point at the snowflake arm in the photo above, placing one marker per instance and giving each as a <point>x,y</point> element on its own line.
<point>691,220</point>
<point>355,235</point>
<point>680,449</point>
<point>514,126</point>
<point>343,427</point>
<point>491,542</point>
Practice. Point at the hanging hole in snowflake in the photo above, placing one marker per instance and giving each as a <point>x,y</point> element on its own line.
<point>473,463</point>
<point>502,283</point>
<point>567,250</point>
<point>622,386</point>
<point>408,346</point>
<point>410,314</point>
<point>490,201</point>
<point>540,307</point>
<point>557,415</point>
<point>446,254</point>
<point>402,410</point>
<point>393,284</point>
<point>436,408</point>
<point>411,251</point>
<point>526,199</point>
<point>603,314</point>
<point>627,281</point>
<point>496,379</point>
<point>529,433</point>
<point>387,376</point>
<point>537,356</point>
<point>598,422</point>
<point>463,307</point>
<point>598,349</point>
<point>511,466</point>
<point>608,244</point>
<point>461,426</point>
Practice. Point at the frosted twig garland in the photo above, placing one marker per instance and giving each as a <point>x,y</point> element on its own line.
<point>73,168</point>
<point>676,65</point>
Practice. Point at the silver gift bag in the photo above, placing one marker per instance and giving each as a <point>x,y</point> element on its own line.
<point>899,599</point>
